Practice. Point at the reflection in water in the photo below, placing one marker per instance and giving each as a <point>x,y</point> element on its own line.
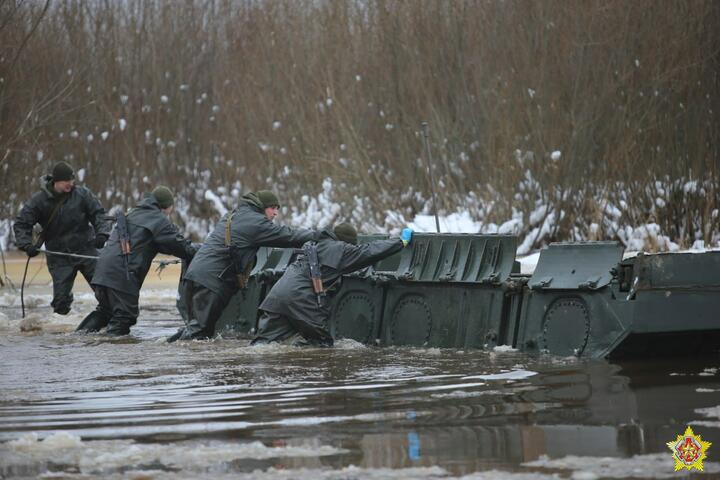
<point>98,406</point>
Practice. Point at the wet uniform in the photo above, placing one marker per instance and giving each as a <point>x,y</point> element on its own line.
<point>225,259</point>
<point>292,308</point>
<point>151,232</point>
<point>70,223</point>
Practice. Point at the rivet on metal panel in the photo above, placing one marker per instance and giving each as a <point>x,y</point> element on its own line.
<point>543,282</point>
<point>491,279</point>
<point>407,276</point>
<point>448,276</point>
<point>589,284</point>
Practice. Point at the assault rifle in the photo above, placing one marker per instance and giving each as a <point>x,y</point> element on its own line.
<point>124,240</point>
<point>310,250</point>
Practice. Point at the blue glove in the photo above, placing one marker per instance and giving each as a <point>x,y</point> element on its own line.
<point>406,236</point>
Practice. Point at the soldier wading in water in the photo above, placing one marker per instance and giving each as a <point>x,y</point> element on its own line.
<point>137,237</point>
<point>72,221</point>
<point>224,261</point>
<point>296,309</point>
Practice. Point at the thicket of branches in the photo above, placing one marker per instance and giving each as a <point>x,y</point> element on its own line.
<point>225,94</point>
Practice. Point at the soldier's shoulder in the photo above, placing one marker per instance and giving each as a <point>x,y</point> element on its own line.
<point>84,191</point>
<point>38,196</point>
<point>335,245</point>
<point>163,223</point>
<point>38,199</point>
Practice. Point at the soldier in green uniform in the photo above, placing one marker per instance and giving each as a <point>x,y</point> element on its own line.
<point>223,263</point>
<point>72,221</point>
<point>295,308</point>
<point>120,272</point>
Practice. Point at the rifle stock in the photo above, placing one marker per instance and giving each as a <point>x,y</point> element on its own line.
<point>124,241</point>
<point>310,250</point>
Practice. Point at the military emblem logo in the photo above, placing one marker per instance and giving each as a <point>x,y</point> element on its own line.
<point>689,450</point>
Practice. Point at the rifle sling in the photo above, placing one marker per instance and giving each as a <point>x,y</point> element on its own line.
<point>242,278</point>
<point>54,212</point>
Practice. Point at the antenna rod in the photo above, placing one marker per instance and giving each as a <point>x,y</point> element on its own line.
<point>425,130</point>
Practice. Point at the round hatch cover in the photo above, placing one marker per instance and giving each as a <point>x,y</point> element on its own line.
<point>566,327</point>
<point>411,322</point>
<point>354,317</point>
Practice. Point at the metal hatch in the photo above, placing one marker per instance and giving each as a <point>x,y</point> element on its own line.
<point>678,270</point>
<point>457,258</point>
<point>576,266</point>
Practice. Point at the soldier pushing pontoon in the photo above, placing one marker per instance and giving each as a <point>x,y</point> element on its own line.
<point>224,262</point>
<point>296,309</point>
<point>123,264</point>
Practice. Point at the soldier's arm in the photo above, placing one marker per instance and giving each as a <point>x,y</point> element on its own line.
<point>96,214</point>
<point>356,257</point>
<point>29,215</point>
<point>271,235</point>
<point>171,242</point>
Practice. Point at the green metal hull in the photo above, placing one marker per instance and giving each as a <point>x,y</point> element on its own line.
<point>465,291</point>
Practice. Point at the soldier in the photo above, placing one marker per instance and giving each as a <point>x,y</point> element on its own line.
<point>297,303</point>
<point>72,221</point>
<point>223,263</point>
<point>125,261</point>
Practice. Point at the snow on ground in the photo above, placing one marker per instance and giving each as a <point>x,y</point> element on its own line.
<point>528,263</point>
<point>533,228</point>
<point>459,222</point>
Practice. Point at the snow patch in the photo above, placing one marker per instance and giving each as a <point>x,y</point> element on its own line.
<point>216,202</point>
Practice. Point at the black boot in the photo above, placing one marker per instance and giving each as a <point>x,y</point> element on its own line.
<point>93,322</point>
<point>176,336</point>
<point>116,329</point>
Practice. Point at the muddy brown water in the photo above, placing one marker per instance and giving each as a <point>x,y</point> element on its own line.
<point>87,406</point>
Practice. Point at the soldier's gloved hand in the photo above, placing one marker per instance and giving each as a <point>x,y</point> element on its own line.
<point>32,250</point>
<point>100,240</point>
<point>406,236</point>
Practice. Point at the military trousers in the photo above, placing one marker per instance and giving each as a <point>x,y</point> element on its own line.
<point>274,327</point>
<point>116,310</point>
<point>204,308</point>
<point>63,271</point>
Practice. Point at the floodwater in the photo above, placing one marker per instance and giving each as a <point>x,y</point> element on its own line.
<point>88,406</point>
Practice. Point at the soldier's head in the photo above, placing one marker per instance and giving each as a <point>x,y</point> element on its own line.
<point>346,233</point>
<point>63,177</point>
<point>164,197</point>
<point>270,203</point>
